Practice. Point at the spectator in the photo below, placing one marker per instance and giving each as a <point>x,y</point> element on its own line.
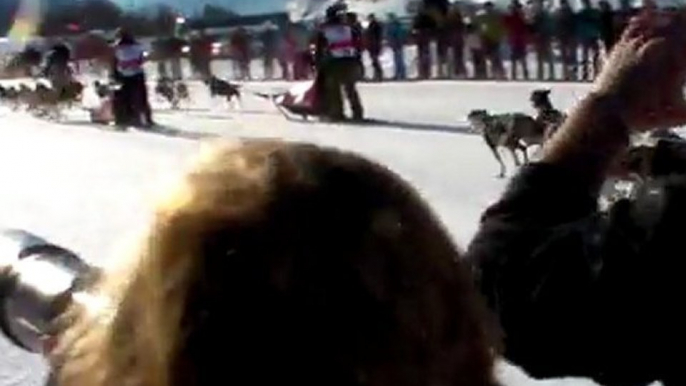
<point>492,33</point>
<point>240,48</point>
<point>517,32</point>
<point>423,28</point>
<point>442,37</point>
<point>607,25</point>
<point>588,33</point>
<point>565,20</point>
<point>589,294</point>
<point>201,55</point>
<point>300,37</point>
<point>175,51</point>
<point>270,44</point>
<point>456,31</point>
<point>475,48</point>
<point>358,37</point>
<point>396,35</point>
<point>288,264</point>
<point>542,26</point>
<point>286,54</point>
<point>160,48</point>
<point>374,45</point>
<point>57,68</point>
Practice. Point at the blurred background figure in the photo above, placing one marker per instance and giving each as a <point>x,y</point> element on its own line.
<point>490,24</point>
<point>270,43</point>
<point>588,33</point>
<point>286,54</point>
<point>358,41</point>
<point>543,32</point>
<point>607,25</point>
<point>475,47</point>
<point>518,35</point>
<point>422,28</point>
<point>240,51</point>
<point>176,45</point>
<point>396,36</point>
<point>455,29</point>
<point>374,39</point>
<point>57,68</point>
<point>565,22</point>
<point>302,66</point>
<point>201,55</point>
<point>441,38</point>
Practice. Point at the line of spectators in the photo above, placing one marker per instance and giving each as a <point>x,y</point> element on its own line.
<point>567,43</point>
<point>574,38</point>
<point>484,42</point>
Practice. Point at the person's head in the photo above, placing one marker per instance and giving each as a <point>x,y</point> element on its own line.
<point>586,3</point>
<point>489,6</point>
<point>605,5</point>
<point>335,13</point>
<point>371,17</point>
<point>124,36</point>
<point>515,6</point>
<point>284,263</point>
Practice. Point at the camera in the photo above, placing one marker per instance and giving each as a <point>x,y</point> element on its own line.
<point>38,283</point>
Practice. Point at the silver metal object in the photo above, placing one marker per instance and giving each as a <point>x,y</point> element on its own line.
<point>38,281</point>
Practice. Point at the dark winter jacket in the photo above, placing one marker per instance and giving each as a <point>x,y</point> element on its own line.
<point>584,293</point>
<point>565,24</point>
<point>607,27</point>
<point>374,38</point>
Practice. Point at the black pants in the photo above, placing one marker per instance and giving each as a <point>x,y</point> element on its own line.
<point>341,75</point>
<point>131,104</point>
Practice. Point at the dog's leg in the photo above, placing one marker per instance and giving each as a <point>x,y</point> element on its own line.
<point>526,155</point>
<point>513,151</point>
<point>496,154</point>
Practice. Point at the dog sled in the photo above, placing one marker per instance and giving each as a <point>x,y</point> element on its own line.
<point>99,103</point>
<point>301,100</point>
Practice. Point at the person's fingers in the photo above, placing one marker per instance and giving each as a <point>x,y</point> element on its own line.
<point>633,29</point>
<point>653,49</point>
<point>637,25</point>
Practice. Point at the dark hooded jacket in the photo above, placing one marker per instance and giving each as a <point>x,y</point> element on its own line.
<point>580,292</point>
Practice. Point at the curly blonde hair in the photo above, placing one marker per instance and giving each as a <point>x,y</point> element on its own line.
<point>286,263</point>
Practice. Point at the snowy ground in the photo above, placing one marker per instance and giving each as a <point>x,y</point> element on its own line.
<point>88,188</point>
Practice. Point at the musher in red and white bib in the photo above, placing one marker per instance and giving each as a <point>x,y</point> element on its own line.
<point>131,104</point>
<point>336,54</point>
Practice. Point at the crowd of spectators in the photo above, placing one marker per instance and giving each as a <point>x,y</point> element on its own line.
<point>538,40</point>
